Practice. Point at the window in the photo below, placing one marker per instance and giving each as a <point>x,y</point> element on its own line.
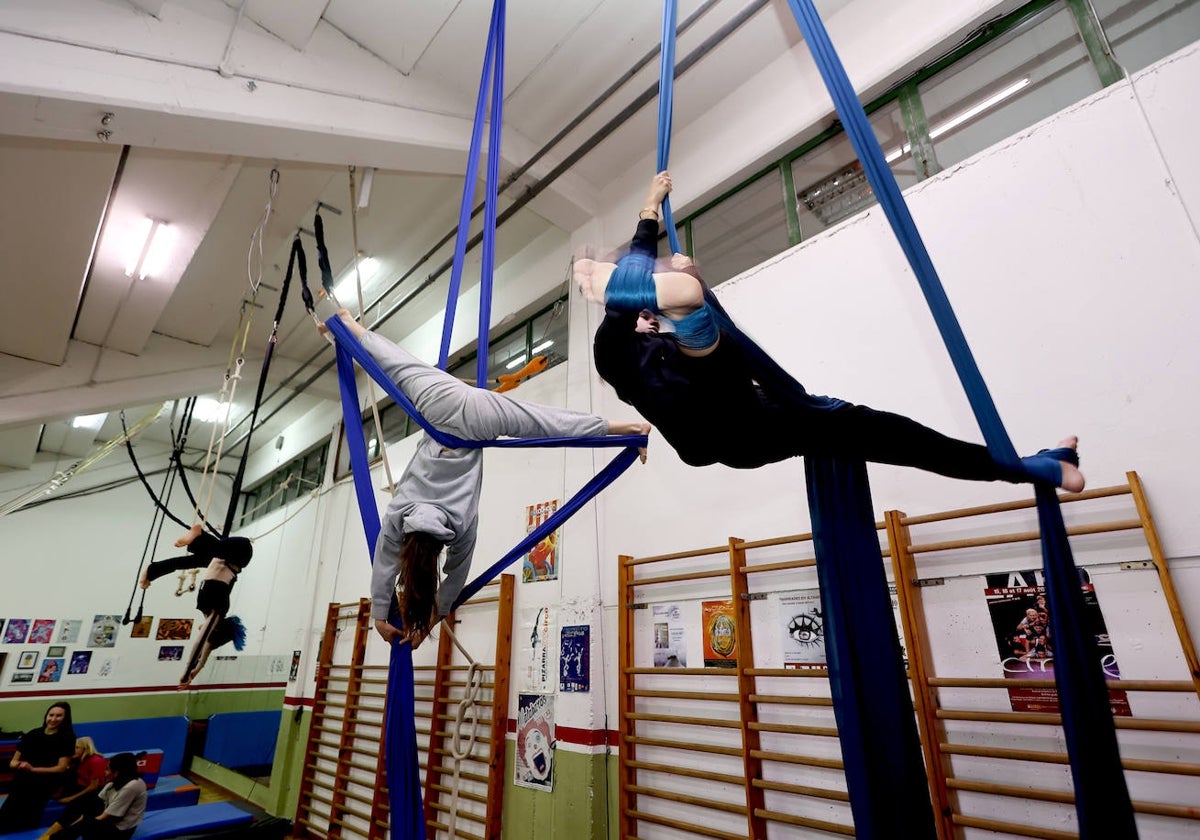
<point>293,480</point>
<point>1143,31</point>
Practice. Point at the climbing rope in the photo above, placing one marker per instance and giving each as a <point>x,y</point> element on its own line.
<point>464,710</point>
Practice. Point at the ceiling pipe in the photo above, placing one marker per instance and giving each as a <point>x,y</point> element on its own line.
<point>648,95</point>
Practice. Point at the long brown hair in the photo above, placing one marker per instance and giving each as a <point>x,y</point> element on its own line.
<point>417,583</point>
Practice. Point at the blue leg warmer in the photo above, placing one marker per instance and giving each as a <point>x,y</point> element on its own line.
<point>631,286</point>
<point>697,330</point>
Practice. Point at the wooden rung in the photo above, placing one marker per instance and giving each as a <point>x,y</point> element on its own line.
<point>462,815</point>
<point>448,770</point>
<point>1115,685</point>
<point>437,826</point>
<point>697,801</point>
<point>677,770</point>
<point>1024,504</point>
<point>475,602</point>
<point>683,695</point>
<point>445,700</point>
<point>1047,719</point>
<point>787,672</point>
<point>1026,536</point>
<point>1012,828</point>
<point>687,721</point>
<point>681,745</point>
<point>1177,768</point>
<point>462,794</point>
<point>376,668</point>
<point>774,541</point>
<point>785,700</point>
<point>792,758</point>
<point>691,828</point>
<point>480,759</point>
<point>793,729</point>
<point>650,581</point>
<point>806,822</point>
<point>782,566</point>
<point>679,555</point>
<point>1162,809</point>
<point>801,790</point>
<point>683,672</point>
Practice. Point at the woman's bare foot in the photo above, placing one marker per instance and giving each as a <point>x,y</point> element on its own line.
<point>1072,479</point>
<point>144,580</point>
<point>185,540</point>
<point>591,276</point>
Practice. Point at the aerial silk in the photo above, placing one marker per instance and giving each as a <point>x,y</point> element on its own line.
<point>403,775</point>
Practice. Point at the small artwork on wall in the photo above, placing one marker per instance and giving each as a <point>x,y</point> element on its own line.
<point>22,676</point>
<point>141,627</point>
<point>57,650</point>
<point>104,631</point>
<point>68,631</point>
<point>52,670</point>
<point>3,659</point>
<point>172,629</point>
<point>80,661</point>
<point>17,631</point>
<point>28,660</point>
<point>42,632</point>
<point>170,653</point>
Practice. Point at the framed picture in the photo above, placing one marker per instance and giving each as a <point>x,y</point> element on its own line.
<point>141,628</point>
<point>81,660</point>
<point>68,631</point>
<point>28,660</point>
<point>174,629</point>
<point>170,653</point>
<point>104,631</point>
<point>22,676</point>
<point>17,631</point>
<point>52,670</point>
<point>42,632</point>
<point>57,650</point>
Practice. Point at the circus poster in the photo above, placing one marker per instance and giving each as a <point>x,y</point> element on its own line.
<point>535,649</point>
<point>541,563</point>
<point>720,634</point>
<point>670,636</point>
<point>534,765</point>
<point>1020,614</point>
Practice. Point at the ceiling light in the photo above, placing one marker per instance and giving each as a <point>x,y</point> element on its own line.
<point>148,247</point>
<point>537,348</point>
<point>92,422</point>
<point>208,410</point>
<point>515,361</point>
<point>347,286</point>
<point>961,117</point>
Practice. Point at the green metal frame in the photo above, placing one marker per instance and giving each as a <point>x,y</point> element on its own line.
<point>1096,42</point>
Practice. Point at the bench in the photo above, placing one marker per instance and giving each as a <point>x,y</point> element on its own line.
<point>173,822</point>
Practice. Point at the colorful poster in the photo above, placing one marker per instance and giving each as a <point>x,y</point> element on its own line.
<point>541,563</point>
<point>800,613</point>
<point>720,634</point>
<point>534,765</point>
<point>17,631</point>
<point>295,669</point>
<point>80,661</point>
<point>141,627</point>
<point>170,653</point>
<point>52,670</point>
<point>174,629</point>
<point>104,631</point>
<point>42,632</point>
<point>68,631</point>
<point>670,638</point>
<point>574,658</point>
<point>1021,622</point>
<point>537,632</point>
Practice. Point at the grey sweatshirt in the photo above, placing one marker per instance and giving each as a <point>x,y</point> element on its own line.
<point>438,493</point>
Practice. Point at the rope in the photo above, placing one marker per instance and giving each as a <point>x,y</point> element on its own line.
<point>464,709</point>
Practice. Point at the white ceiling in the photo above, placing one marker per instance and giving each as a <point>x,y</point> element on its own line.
<point>205,98</point>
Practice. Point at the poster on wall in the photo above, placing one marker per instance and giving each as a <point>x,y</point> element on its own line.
<point>104,631</point>
<point>1021,623</point>
<point>720,634</point>
<point>52,670</point>
<point>574,658</point>
<point>68,631</point>
<point>56,650</point>
<point>170,653</point>
<point>541,563</point>
<point>141,627</point>
<point>294,672</point>
<point>803,629</point>
<point>3,660</point>
<point>537,633</point>
<point>22,677</point>
<point>108,667</point>
<point>80,661</point>
<point>42,632</point>
<point>28,660</point>
<point>16,631</point>
<point>174,629</point>
<point>534,765</point>
<point>670,637</point>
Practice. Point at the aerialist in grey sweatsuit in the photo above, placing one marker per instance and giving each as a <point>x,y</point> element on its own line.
<point>438,494</point>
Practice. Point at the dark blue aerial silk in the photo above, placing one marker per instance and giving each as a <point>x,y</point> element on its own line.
<point>400,741</point>
<point>879,739</point>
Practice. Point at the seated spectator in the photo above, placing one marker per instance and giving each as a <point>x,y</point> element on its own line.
<point>79,797</point>
<point>122,801</point>
<point>40,763</point>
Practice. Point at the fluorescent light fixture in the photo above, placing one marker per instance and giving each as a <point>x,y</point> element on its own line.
<point>208,410</point>
<point>367,266</point>
<point>515,362</point>
<point>963,116</point>
<point>92,422</point>
<point>148,247</point>
<point>538,348</point>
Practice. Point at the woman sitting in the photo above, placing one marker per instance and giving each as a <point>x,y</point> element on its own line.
<point>41,760</point>
<point>121,806</point>
<point>78,798</point>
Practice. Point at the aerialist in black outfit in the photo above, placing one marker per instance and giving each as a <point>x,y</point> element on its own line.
<point>223,560</point>
<point>674,380</point>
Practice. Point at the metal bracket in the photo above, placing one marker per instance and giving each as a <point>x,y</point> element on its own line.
<point>1137,564</point>
<point>754,596</point>
<point>929,582</point>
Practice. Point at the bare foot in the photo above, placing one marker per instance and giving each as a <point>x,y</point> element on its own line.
<point>591,276</point>
<point>186,539</point>
<point>144,580</point>
<point>1072,479</point>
